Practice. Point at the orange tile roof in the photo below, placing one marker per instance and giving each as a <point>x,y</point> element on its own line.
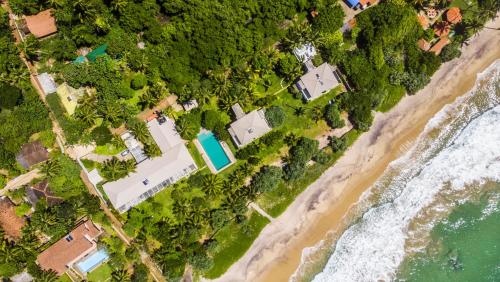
<point>422,19</point>
<point>9,221</point>
<point>442,29</point>
<point>453,15</point>
<point>41,24</point>
<point>440,45</point>
<point>67,251</point>
<point>367,2</point>
<point>424,44</point>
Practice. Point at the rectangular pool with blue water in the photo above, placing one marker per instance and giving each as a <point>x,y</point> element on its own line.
<point>92,261</point>
<point>214,150</point>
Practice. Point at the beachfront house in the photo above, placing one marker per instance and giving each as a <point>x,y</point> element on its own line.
<point>318,81</point>
<point>248,127</point>
<point>74,250</point>
<point>40,25</point>
<point>69,97</point>
<point>153,175</point>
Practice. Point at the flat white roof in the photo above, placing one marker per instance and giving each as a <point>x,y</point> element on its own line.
<point>152,175</point>
<point>47,83</point>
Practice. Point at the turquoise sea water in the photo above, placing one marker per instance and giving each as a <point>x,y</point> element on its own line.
<point>433,215</point>
<point>214,150</point>
<point>463,247</point>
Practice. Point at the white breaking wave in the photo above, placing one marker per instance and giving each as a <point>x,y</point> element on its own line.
<point>373,248</point>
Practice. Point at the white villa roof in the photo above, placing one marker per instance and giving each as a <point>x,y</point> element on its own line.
<point>152,175</point>
<point>47,83</point>
<point>249,127</point>
<point>305,52</point>
<point>318,81</point>
<point>94,177</point>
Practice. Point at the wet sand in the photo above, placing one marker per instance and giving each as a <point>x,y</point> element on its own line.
<point>276,253</point>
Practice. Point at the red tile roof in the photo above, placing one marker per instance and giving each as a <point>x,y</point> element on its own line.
<point>440,45</point>
<point>71,248</point>
<point>453,15</point>
<point>422,19</point>
<point>9,221</point>
<point>424,44</point>
<point>41,24</point>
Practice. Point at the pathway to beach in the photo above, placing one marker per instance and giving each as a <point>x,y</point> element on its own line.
<point>276,253</point>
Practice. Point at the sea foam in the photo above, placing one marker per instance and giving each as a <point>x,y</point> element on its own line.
<point>466,151</point>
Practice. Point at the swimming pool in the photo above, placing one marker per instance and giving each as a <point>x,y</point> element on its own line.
<point>92,261</point>
<point>214,150</point>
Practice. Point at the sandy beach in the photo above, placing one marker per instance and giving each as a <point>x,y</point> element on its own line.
<point>276,253</point>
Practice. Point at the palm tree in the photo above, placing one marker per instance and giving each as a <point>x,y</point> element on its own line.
<point>169,112</point>
<point>222,84</point>
<point>119,5</point>
<point>113,169</point>
<point>317,113</point>
<point>120,275</point>
<point>8,253</point>
<point>148,100</point>
<point>226,101</point>
<point>184,128</point>
<point>47,276</point>
<point>86,113</point>
<point>51,168</point>
<point>299,111</point>
<point>140,130</point>
<point>30,47</point>
<point>83,9</point>
<point>212,185</point>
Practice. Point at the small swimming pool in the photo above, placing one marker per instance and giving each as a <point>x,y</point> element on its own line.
<point>92,261</point>
<point>214,150</point>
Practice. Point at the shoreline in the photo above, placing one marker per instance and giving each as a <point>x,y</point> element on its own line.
<point>321,208</point>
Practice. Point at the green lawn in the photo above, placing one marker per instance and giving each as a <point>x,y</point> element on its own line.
<point>108,149</point>
<point>276,202</point>
<point>234,240</point>
<point>64,278</point>
<point>392,99</point>
<point>100,274</point>
<point>198,159</point>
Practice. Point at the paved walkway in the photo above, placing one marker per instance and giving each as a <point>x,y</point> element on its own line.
<point>21,180</point>
<point>261,211</point>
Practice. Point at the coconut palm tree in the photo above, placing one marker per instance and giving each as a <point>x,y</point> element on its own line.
<point>185,129</point>
<point>212,185</point>
<point>119,5</point>
<point>86,113</point>
<point>317,113</point>
<point>226,101</point>
<point>113,169</point>
<point>8,253</point>
<point>148,100</point>
<point>47,276</point>
<point>120,275</point>
<point>51,168</point>
<point>299,111</point>
<point>84,10</point>
<point>139,129</point>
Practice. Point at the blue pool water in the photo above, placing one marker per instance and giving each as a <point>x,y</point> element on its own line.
<point>92,261</point>
<point>214,150</point>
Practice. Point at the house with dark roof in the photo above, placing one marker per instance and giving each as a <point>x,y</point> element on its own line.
<point>73,247</point>
<point>41,25</point>
<point>318,81</point>
<point>9,221</point>
<point>32,154</point>
<point>40,191</point>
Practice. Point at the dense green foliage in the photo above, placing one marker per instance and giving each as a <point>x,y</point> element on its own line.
<point>275,116</point>
<point>27,115</point>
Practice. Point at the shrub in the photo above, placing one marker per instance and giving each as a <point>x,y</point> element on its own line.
<point>451,52</point>
<point>267,179</point>
<point>210,119</point>
<point>138,81</point>
<point>338,144</point>
<point>322,157</point>
<point>101,135</point>
<point>248,151</point>
<point>332,116</point>
<point>221,132</point>
<point>275,116</point>
<point>273,138</point>
<point>9,96</point>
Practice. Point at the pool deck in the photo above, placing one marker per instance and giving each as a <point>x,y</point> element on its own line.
<point>207,160</point>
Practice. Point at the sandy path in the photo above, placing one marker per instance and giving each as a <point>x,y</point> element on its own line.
<point>276,253</point>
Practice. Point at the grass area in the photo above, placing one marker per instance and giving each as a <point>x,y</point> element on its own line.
<point>64,278</point>
<point>198,159</point>
<point>392,99</point>
<point>89,164</point>
<point>100,274</point>
<point>234,240</point>
<point>277,201</point>
<point>109,149</point>
<point>72,128</point>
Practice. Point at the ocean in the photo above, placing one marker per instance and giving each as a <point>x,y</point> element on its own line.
<point>434,215</point>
